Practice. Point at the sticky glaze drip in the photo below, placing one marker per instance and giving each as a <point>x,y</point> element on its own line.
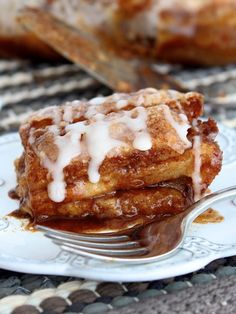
<point>196,175</point>
<point>98,142</point>
<point>68,147</point>
<point>93,136</point>
<point>56,116</point>
<point>68,113</point>
<point>181,127</point>
<point>116,102</point>
<point>97,101</point>
<point>121,103</point>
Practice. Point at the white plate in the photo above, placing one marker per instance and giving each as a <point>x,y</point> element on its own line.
<point>31,252</point>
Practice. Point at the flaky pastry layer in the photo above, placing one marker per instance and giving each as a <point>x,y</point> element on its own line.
<point>126,174</point>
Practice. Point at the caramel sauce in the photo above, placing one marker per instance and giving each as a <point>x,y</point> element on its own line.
<point>13,195</point>
<point>159,236</point>
<point>93,225</point>
<point>86,225</point>
<point>209,216</point>
<point>19,214</point>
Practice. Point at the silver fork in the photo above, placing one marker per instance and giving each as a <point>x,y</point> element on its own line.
<point>155,241</point>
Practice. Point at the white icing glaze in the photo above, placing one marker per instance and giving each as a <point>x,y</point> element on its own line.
<point>91,111</point>
<point>145,97</point>
<point>183,6</point>
<point>140,100</point>
<point>149,90</point>
<point>75,102</point>
<point>93,136</point>
<point>56,116</point>
<point>121,103</point>
<point>97,101</point>
<point>68,148</point>
<point>183,117</point>
<point>68,113</point>
<point>181,128</point>
<point>142,139</point>
<point>173,93</point>
<point>196,175</point>
<point>98,143</point>
<point>119,96</point>
<point>31,136</point>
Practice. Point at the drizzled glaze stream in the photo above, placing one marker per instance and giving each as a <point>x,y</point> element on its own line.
<point>94,135</point>
<point>196,175</point>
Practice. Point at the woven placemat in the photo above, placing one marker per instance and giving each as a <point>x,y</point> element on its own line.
<point>25,87</point>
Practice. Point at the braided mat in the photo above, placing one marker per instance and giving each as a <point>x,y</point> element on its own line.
<point>25,87</point>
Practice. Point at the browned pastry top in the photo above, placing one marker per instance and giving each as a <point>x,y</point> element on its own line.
<point>124,156</point>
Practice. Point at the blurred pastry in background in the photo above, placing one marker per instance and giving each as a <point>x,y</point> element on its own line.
<point>201,32</point>
<point>14,40</point>
<point>198,32</point>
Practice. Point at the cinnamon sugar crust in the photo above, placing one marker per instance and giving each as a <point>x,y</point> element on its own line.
<point>128,179</point>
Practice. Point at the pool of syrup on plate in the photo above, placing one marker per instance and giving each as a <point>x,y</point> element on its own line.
<point>209,216</point>
<point>95,225</point>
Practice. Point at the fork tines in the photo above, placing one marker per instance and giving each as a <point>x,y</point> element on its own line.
<point>110,245</point>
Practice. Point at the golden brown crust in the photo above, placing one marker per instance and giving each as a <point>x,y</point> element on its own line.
<point>133,7</point>
<point>121,169</point>
<point>34,181</point>
<point>167,199</point>
<point>125,173</point>
<point>191,104</point>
